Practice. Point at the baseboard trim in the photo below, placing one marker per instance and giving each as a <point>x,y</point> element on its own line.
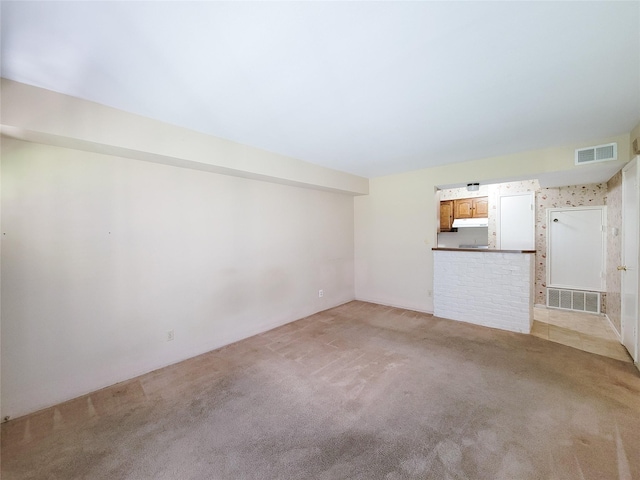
<point>618,336</point>
<point>394,305</point>
<point>196,350</point>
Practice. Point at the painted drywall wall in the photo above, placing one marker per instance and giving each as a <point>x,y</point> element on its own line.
<point>39,115</point>
<point>395,226</point>
<point>103,255</point>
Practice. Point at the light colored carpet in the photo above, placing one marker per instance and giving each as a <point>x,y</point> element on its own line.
<point>361,391</point>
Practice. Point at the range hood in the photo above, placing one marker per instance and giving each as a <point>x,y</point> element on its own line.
<point>470,222</point>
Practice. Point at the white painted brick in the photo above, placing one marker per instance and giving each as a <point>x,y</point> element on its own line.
<point>490,289</point>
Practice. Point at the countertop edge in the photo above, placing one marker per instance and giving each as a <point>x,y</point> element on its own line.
<point>476,250</point>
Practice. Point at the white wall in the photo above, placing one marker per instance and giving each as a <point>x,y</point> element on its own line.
<point>102,255</point>
<point>395,225</point>
<point>394,232</point>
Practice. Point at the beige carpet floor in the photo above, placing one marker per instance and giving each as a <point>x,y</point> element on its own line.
<point>360,391</point>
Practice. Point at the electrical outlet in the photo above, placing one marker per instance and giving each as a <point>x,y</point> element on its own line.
<point>320,293</point>
<point>170,335</point>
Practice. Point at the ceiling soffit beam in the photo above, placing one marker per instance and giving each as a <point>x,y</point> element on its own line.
<point>37,115</point>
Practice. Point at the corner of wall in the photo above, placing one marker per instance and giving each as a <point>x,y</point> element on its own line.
<point>79,124</point>
<point>634,141</point>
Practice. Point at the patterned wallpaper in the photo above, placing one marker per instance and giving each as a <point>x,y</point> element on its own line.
<point>494,193</point>
<point>462,192</point>
<point>614,248</point>
<point>570,196</point>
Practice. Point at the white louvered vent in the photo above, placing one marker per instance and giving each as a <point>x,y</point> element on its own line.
<point>573,300</point>
<point>599,153</point>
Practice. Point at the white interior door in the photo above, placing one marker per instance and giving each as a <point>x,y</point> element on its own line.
<point>576,248</point>
<point>516,222</point>
<point>630,262</point>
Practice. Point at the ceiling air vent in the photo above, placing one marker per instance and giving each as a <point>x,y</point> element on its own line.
<point>599,153</point>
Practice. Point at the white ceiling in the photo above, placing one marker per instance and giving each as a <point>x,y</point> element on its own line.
<point>370,88</point>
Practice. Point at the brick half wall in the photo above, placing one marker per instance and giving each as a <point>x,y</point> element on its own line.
<point>492,289</point>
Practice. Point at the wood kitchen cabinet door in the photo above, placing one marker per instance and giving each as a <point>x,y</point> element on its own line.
<point>481,207</point>
<point>471,207</point>
<point>446,215</point>
<point>463,208</point>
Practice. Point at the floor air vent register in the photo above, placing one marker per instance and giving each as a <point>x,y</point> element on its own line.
<point>573,300</point>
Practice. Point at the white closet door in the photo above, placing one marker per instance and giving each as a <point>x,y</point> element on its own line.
<point>576,248</point>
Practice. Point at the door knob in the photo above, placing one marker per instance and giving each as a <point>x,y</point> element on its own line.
<point>622,267</point>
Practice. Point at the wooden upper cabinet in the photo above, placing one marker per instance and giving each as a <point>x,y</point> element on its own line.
<point>446,215</point>
<point>463,208</point>
<point>481,207</point>
<point>471,207</point>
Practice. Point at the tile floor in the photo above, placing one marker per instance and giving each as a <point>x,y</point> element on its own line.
<point>584,331</point>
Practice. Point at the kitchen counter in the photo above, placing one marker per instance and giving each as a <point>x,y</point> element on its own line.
<point>488,287</point>
<point>477,249</point>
